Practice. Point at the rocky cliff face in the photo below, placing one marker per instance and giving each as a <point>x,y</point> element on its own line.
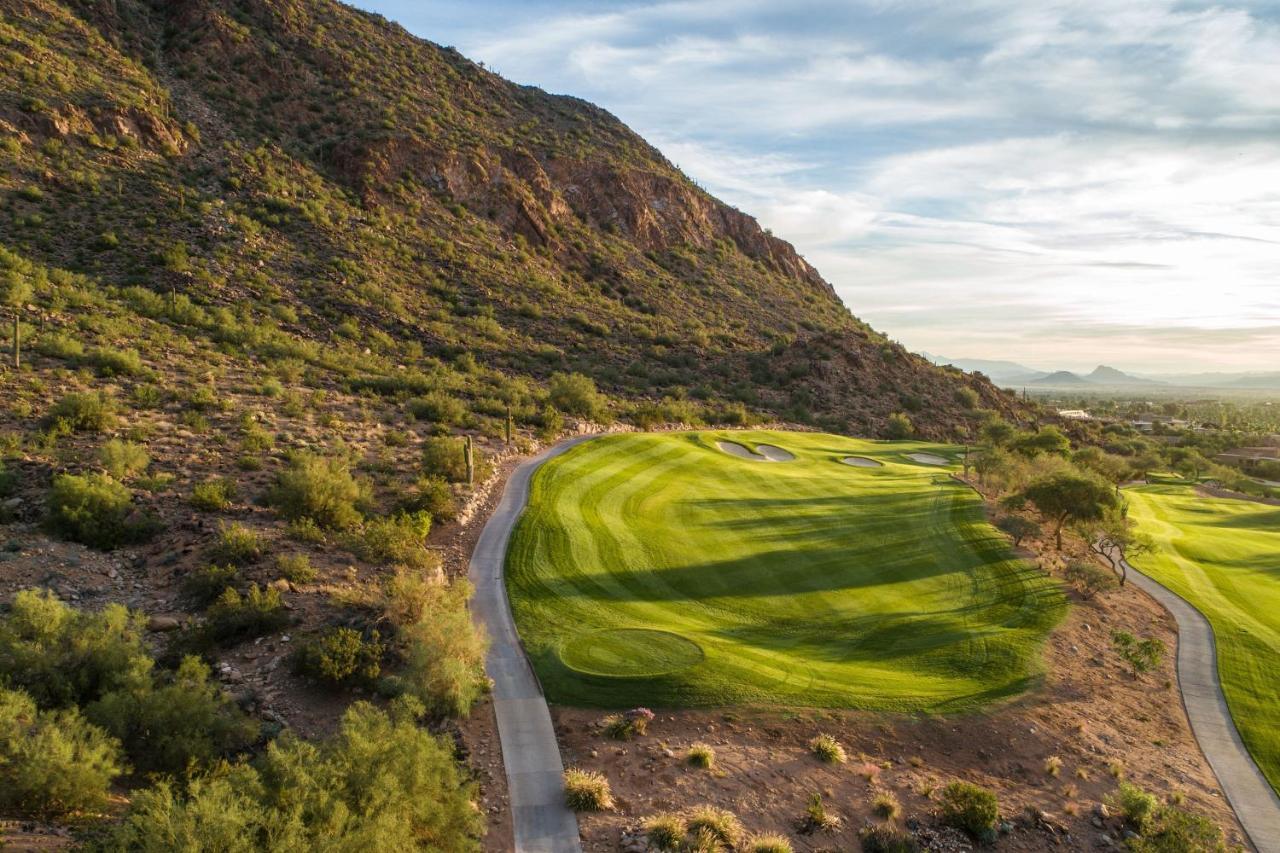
<point>311,161</point>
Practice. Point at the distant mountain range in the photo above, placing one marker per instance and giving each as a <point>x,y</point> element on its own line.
<point>1014,374</point>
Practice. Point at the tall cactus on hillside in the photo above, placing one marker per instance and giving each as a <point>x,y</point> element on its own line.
<point>469,451</point>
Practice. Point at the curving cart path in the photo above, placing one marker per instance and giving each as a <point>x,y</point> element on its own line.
<point>535,775</point>
<point>1254,800</point>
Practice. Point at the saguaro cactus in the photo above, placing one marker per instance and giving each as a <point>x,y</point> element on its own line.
<point>509,426</point>
<point>469,451</point>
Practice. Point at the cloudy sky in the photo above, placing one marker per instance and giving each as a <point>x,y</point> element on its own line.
<point>1059,183</point>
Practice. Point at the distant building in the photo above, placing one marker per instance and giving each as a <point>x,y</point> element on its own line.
<point>1248,459</point>
<point>1075,414</point>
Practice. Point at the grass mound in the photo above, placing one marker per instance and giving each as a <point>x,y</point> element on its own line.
<point>657,569</point>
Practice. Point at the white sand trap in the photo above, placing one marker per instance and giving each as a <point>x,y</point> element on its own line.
<point>861,462</point>
<point>928,459</point>
<point>767,452</point>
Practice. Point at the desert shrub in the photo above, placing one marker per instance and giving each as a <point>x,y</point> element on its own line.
<point>827,749</point>
<point>666,831</point>
<point>89,411</point>
<point>64,657</point>
<point>213,495</point>
<point>768,843</point>
<point>382,783</point>
<point>234,617</point>
<point>885,805</point>
<point>108,361</point>
<point>305,530</point>
<point>721,824</point>
<point>342,656</point>
<point>816,817</point>
<point>433,496</point>
<point>575,394</point>
<point>397,540</point>
<point>320,489</point>
<point>887,838</point>
<point>95,510</point>
<point>970,807</point>
<point>166,726</point>
<point>444,651</point>
<point>586,791</point>
<point>52,763</point>
<point>898,427</point>
<point>295,568</point>
<point>1018,528</point>
<point>1141,655</point>
<point>57,345</point>
<point>438,408</point>
<point>1053,765</point>
<point>123,459</point>
<point>1133,804</point>
<point>1173,830</point>
<point>236,545</point>
<point>204,585</point>
<point>445,457</point>
<point>702,755</point>
<point>626,726</point>
<point>1090,578</point>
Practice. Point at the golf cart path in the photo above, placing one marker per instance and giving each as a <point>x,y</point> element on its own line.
<point>1254,800</point>
<point>535,776</point>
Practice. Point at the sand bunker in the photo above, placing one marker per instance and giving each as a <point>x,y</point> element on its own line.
<point>764,452</point>
<point>861,462</point>
<point>928,459</point>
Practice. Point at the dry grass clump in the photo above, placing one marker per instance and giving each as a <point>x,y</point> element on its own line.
<point>1053,765</point>
<point>770,842</point>
<point>666,831</point>
<point>720,824</point>
<point>886,805</point>
<point>702,755</point>
<point>827,749</point>
<point>587,791</point>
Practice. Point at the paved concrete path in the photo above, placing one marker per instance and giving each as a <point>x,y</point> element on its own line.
<point>540,820</point>
<point>1254,800</point>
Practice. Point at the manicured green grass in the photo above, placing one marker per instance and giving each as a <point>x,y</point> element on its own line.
<point>1223,556</point>
<point>657,569</point>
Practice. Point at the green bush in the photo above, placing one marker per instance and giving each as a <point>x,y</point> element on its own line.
<point>575,394</point>
<point>1133,804</point>
<point>445,457</point>
<point>52,763</point>
<point>213,495</point>
<point>204,585</point>
<point>183,719</point>
<point>701,755</point>
<point>587,791</point>
<point>898,427</point>
<point>295,568</point>
<point>107,361</point>
<point>123,459</point>
<point>64,657</point>
<point>90,411</point>
<point>434,496</point>
<point>342,656</point>
<point>382,783</point>
<point>57,345</point>
<point>399,540</point>
<point>444,650</point>
<point>320,489</point>
<point>235,617</point>
<point>1172,830</point>
<point>235,544</point>
<point>438,408</point>
<point>971,808</point>
<point>95,510</point>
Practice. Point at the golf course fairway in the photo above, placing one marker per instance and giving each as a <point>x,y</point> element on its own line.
<point>666,570</point>
<point>1223,556</point>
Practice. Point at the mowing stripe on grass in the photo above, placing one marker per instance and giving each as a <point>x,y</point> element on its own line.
<point>799,582</point>
<point>1223,556</point>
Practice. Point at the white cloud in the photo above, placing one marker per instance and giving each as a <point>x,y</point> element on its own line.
<point>1049,177</point>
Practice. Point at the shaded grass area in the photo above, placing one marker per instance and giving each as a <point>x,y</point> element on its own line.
<point>804,583</point>
<point>1223,556</point>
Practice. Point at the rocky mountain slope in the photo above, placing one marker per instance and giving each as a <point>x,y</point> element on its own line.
<point>336,183</point>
